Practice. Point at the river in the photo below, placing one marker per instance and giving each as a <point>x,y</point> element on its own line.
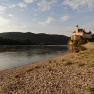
<point>14,56</point>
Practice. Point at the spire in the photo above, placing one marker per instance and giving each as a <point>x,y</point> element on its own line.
<point>77,28</point>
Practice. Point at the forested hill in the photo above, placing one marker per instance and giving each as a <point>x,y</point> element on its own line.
<point>18,38</point>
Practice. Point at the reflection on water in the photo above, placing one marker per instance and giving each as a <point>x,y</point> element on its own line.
<point>17,57</point>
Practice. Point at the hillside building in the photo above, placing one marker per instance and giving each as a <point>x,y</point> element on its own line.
<point>80,33</point>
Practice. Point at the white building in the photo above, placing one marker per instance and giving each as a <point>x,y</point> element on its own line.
<point>79,32</point>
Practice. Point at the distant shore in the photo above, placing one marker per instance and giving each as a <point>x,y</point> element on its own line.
<point>71,73</point>
<point>22,47</point>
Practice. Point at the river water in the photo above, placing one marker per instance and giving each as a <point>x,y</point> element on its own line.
<point>11,57</point>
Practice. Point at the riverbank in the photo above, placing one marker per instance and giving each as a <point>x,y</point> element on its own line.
<point>72,73</point>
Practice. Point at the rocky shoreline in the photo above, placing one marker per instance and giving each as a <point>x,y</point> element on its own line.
<point>72,73</point>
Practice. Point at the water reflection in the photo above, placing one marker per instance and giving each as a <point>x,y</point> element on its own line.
<point>14,58</point>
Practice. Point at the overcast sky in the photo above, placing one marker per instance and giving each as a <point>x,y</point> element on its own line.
<point>46,16</point>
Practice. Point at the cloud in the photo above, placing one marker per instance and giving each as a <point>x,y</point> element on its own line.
<point>65,18</point>
<point>4,24</point>
<point>2,9</point>
<point>12,6</point>
<point>3,21</point>
<point>22,5</point>
<point>45,5</point>
<point>89,26</point>
<point>54,28</point>
<point>79,4</point>
<point>10,15</point>
<point>28,1</point>
<point>49,20</point>
<point>46,26</point>
<point>9,25</point>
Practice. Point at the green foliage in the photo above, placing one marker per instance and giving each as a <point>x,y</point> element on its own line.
<point>63,60</point>
<point>89,89</point>
<point>81,64</point>
<point>50,61</point>
<point>29,70</point>
<point>68,62</point>
<point>92,64</point>
<point>17,38</point>
<point>37,67</point>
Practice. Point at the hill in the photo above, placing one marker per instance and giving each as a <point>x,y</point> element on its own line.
<point>18,38</point>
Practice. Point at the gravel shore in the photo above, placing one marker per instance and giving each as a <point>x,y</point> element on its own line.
<point>72,73</point>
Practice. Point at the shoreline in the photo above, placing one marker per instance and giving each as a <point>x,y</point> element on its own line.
<point>71,73</point>
<point>38,62</point>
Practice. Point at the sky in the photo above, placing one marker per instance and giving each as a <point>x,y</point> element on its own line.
<point>46,16</point>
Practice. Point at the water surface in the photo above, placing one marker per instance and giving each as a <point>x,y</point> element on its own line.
<point>20,55</point>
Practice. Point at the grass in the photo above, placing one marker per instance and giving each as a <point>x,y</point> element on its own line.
<point>50,61</point>
<point>92,64</point>
<point>63,60</point>
<point>29,70</point>
<point>89,89</point>
<point>81,64</point>
<point>37,67</point>
<point>17,76</point>
<point>66,63</point>
<point>75,68</point>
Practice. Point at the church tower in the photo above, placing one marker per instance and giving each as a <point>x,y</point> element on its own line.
<point>77,28</point>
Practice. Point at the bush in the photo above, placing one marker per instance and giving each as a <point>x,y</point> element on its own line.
<point>81,64</point>
<point>92,64</point>
<point>68,63</point>
<point>90,89</point>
